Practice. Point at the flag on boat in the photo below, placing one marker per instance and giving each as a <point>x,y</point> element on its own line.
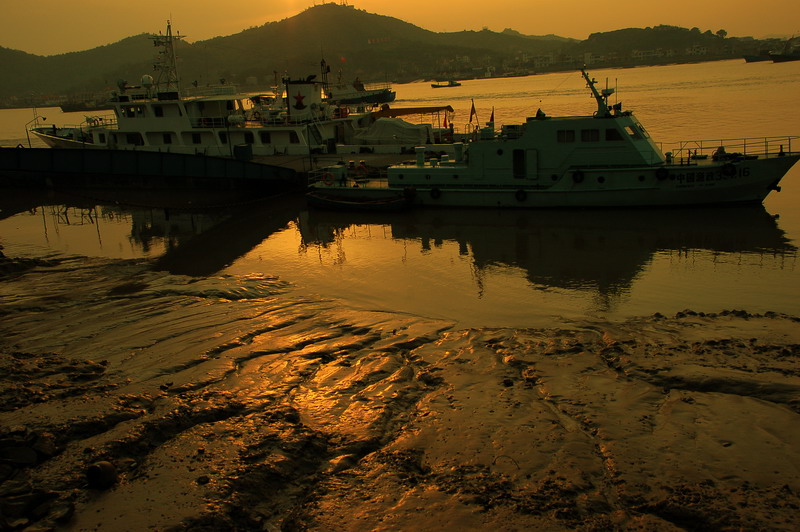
<point>445,119</point>
<point>472,112</point>
<point>491,118</point>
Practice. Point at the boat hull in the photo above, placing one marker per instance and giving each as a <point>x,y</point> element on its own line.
<point>63,138</point>
<point>756,58</point>
<point>394,203</point>
<point>746,181</point>
<point>369,96</point>
<point>783,58</point>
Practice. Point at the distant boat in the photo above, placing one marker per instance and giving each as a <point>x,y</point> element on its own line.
<point>358,93</point>
<point>790,52</point>
<point>782,58</point>
<point>355,93</point>
<point>87,104</point>
<point>763,55</point>
<point>451,83</point>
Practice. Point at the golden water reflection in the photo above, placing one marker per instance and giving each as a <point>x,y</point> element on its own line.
<point>600,253</point>
<point>479,267</point>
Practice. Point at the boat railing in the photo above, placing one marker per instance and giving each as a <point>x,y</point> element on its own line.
<point>268,119</point>
<point>211,90</point>
<point>100,121</point>
<point>746,147</point>
<point>377,86</point>
<point>209,121</point>
<point>88,123</point>
<point>344,176</point>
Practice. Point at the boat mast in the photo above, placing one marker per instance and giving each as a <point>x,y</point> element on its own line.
<point>601,98</point>
<point>325,68</point>
<point>166,64</point>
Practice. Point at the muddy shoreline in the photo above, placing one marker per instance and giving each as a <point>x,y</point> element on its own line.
<point>238,403</point>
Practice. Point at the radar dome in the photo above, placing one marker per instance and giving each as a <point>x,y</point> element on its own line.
<point>147,80</point>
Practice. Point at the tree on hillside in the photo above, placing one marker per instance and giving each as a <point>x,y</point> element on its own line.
<point>722,34</point>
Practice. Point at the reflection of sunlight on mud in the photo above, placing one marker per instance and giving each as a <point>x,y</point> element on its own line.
<point>284,409</point>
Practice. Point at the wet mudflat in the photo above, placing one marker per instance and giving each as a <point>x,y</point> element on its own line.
<point>238,402</point>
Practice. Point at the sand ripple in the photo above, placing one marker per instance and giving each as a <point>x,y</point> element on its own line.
<point>235,403</point>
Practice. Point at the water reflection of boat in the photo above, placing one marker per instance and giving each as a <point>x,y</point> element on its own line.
<point>219,244</point>
<point>196,240</point>
<point>592,249</point>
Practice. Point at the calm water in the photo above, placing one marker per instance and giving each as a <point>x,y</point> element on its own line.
<point>486,268</point>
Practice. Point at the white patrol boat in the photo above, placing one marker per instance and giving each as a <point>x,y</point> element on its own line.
<point>603,160</point>
<point>156,115</point>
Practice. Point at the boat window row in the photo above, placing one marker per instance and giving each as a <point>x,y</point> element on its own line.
<point>140,111</point>
<point>133,111</point>
<point>594,135</point>
<point>264,136</point>
<point>248,137</point>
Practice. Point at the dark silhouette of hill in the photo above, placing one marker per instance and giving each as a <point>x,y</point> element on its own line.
<point>549,36</point>
<point>374,47</point>
<point>672,37</point>
<point>94,69</point>
<point>360,44</point>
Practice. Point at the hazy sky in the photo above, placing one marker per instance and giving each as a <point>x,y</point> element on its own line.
<point>47,27</point>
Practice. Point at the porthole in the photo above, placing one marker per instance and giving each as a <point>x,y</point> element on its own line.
<point>601,179</point>
<point>500,151</point>
<point>641,178</point>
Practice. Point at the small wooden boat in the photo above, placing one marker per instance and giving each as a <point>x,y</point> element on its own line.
<point>381,204</point>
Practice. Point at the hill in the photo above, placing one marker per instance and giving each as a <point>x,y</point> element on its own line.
<point>373,47</point>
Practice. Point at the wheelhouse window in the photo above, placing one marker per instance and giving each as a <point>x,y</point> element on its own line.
<point>248,137</point>
<point>158,111</point>
<point>518,163</point>
<point>167,138</point>
<point>565,135</point>
<point>633,132</point>
<point>265,137</point>
<point>613,134</point>
<point>293,138</point>
<point>132,111</point>
<point>196,139</point>
<point>590,135</point>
